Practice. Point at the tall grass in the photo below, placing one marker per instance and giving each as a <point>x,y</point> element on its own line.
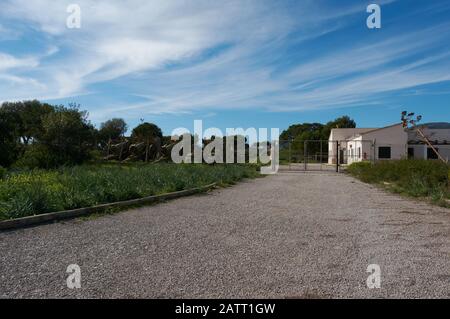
<point>42,191</point>
<point>417,178</point>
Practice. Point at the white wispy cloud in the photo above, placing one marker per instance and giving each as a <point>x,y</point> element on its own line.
<point>8,61</point>
<point>183,56</point>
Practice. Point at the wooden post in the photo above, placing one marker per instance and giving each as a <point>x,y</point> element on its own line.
<point>109,147</point>
<point>431,145</point>
<point>146,151</point>
<point>374,151</point>
<point>121,151</point>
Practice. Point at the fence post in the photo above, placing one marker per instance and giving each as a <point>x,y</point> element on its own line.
<point>109,148</point>
<point>290,156</point>
<point>304,153</point>
<point>337,156</point>
<point>146,150</point>
<point>121,151</point>
<point>321,155</point>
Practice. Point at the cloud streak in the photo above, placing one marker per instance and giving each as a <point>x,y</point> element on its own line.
<point>186,56</point>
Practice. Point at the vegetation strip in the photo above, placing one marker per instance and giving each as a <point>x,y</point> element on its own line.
<point>39,219</point>
<point>27,193</point>
<point>414,178</point>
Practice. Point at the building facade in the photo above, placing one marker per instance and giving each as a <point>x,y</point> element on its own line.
<point>388,143</point>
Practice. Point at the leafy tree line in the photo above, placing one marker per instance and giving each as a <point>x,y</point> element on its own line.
<point>315,131</point>
<point>35,134</point>
<point>293,139</point>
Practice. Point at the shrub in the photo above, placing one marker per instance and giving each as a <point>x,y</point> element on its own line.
<point>36,156</point>
<point>41,191</point>
<point>361,170</point>
<point>413,177</point>
<point>2,172</point>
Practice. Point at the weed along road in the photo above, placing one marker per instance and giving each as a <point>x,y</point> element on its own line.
<point>291,235</point>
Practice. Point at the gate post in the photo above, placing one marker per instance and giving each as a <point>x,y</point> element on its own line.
<point>290,154</point>
<point>304,154</point>
<point>337,156</point>
<point>321,154</point>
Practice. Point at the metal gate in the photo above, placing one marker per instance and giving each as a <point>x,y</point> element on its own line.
<point>324,155</point>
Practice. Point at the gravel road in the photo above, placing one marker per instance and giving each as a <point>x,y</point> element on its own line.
<point>292,235</point>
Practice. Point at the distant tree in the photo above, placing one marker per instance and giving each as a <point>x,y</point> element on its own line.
<point>341,122</point>
<point>306,131</point>
<point>316,131</point>
<point>297,134</point>
<point>8,143</point>
<point>146,131</point>
<point>27,117</point>
<point>67,138</point>
<point>20,126</point>
<point>68,134</point>
<point>112,130</point>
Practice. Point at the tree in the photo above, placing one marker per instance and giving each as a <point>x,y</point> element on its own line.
<point>20,126</point>
<point>112,130</point>
<point>8,145</point>
<point>297,134</point>
<point>67,138</point>
<point>27,117</point>
<point>306,131</point>
<point>146,131</point>
<point>68,134</point>
<point>341,122</point>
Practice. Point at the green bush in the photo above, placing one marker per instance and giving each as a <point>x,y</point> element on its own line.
<point>41,191</point>
<point>361,170</point>
<point>36,156</point>
<point>2,172</point>
<point>418,178</point>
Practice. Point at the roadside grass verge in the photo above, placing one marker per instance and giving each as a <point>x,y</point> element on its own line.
<point>414,178</point>
<point>35,192</point>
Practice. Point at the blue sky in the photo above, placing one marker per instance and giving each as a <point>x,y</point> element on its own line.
<point>231,63</point>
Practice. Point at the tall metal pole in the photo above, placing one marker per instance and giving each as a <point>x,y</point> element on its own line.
<point>321,154</point>
<point>337,156</point>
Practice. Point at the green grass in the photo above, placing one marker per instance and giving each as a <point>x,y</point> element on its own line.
<point>415,178</point>
<point>41,191</point>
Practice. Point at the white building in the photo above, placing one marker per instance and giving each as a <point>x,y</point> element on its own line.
<point>387,143</point>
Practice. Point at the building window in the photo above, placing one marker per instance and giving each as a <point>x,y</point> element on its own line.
<point>410,152</point>
<point>359,152</point>
<point>384,152</point>
<point>431,154</point>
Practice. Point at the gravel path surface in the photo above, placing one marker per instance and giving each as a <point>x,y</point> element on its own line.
<point>293,235</point>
